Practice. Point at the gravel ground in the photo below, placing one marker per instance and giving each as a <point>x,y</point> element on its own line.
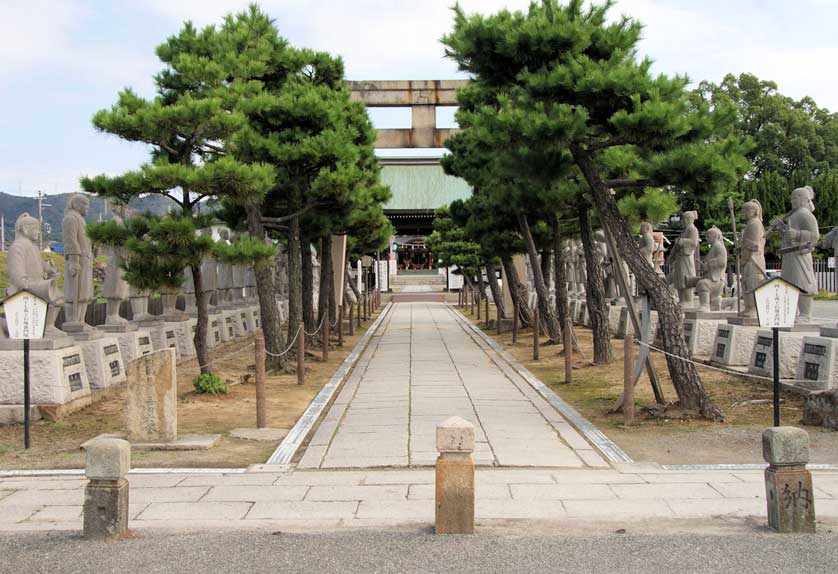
<point>400,551</point>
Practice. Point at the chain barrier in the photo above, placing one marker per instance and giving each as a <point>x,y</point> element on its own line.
<point>290,346</point>
<point>317,330</point>
<point>722,369</point>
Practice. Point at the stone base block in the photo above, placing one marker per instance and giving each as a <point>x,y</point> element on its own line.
<point>817,368</point>
<point>215,334</point>
<point>733,345</point>
<point>106,509</point>
<point>155,329</point>
<point>821,409</point>
<point>790,498</point>
<point>614,314</point>
<point>584,318</point>
<point>133,344</point>
<point>762,356</point>
<point>710,315</point>
<point>573,309</point>
<point>625,326</point>
<point>183,342</point>
<point>230,324</point>
<point>103,360</point>
<point>701,335</point>
<point>744,321</point>
<point>57,376</point>
<point>182,442</point>
<point>13,414</point>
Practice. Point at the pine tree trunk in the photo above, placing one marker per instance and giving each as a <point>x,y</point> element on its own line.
<point>295,279</point>
<point>308,287</point>
<point>200,337</point>
<point>516,292</point>
<point>494,287</point>
<point>481,286</point>
<point>685,379</point>
<point>562,309</point>
<point>545,311</point>
<point>594,290</point>
<point>266,291</point>
<point>325,296</point>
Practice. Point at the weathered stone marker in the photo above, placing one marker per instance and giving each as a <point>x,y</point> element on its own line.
<point>788,485</point>
<point>455,477</point>
<point>106,495</point>
<point>151,398</point>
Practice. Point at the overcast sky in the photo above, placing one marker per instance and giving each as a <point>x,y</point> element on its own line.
<point>61,60</point>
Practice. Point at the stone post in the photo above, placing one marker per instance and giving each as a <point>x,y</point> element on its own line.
<point>788,485</point>
<point>106,495</point>
<point>455,477</point>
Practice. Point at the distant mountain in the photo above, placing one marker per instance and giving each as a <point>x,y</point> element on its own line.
<point>11,206</point>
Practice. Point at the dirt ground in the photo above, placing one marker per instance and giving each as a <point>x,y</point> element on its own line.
<point>56,444</point>
<point>595,389</point>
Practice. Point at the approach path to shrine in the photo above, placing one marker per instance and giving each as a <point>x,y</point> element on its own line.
<point>423,366</point>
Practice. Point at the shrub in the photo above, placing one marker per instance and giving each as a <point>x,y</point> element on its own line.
<point>209,383</point>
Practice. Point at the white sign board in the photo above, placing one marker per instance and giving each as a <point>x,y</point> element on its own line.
<point>831,263</point>
<point>776,301</point>
<point>383,277</point>
<point>26,315</point>
<point>359,277</point>
<point>455,280</point>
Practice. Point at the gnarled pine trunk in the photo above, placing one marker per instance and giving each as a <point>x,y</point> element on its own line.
<point>545,311</point>
<point>266,291</point>
<point>295,279</point>
<point>200,337</point>
<point>685,379</point>
<point>516,292</point>
<point>594,290</point>
<point>562,309</point>
<point>494,287</point>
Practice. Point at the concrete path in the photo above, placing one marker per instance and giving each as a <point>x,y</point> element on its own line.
<point>421,368</point>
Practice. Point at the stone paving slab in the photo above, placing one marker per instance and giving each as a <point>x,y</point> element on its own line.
<point>316,499</point>
<point>424,367</point>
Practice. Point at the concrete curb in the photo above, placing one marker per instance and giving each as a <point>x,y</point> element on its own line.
<point>608,448</point>
<point>295,437</point>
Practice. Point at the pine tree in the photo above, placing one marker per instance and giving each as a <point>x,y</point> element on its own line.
<point>185,125</point>
<point>572,78</point>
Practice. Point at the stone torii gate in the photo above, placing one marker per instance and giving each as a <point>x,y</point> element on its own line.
<point>422,96</point>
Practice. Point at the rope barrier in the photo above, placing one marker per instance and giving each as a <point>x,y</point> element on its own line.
<point>290,346</point>
<point>722,369</point>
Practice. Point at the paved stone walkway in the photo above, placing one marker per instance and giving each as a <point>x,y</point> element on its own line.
<point>324,499</point>
<point>421,368</point>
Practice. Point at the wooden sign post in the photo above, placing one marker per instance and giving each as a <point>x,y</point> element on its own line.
<point>776,301</point>
<point>26,315</point>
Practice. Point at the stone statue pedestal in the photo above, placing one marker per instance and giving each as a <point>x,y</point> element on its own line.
<point>154,325</point>
<point>232,325</point>
<point>625,326</point>
<point>58,374</point>
<point>733,344</point>
<point>103,359</point>
<point>817,367</point>
<point>615,311</point>
<point>214,331</point>
<point>744,321</point>
<point>182,337</point>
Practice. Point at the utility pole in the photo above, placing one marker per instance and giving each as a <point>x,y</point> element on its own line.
<point>41,206</point>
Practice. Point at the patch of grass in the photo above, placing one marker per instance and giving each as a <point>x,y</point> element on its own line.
<point>826,296</point>
<point>210,383</point>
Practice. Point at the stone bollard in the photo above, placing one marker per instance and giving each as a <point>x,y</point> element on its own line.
<point>106,495</point>
<point>788,485</point>
<point>455,477</point>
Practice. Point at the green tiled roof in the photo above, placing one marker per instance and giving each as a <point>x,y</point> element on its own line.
<point>422,186</point>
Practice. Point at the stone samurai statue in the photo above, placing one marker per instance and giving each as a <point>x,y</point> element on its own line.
<point>78,264</point>
<point>711,285</point>
<point>752,255</point>
<point>682,258</point>
<point>28,271</point>
<point>115,289</point>
<point>800,236</point>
